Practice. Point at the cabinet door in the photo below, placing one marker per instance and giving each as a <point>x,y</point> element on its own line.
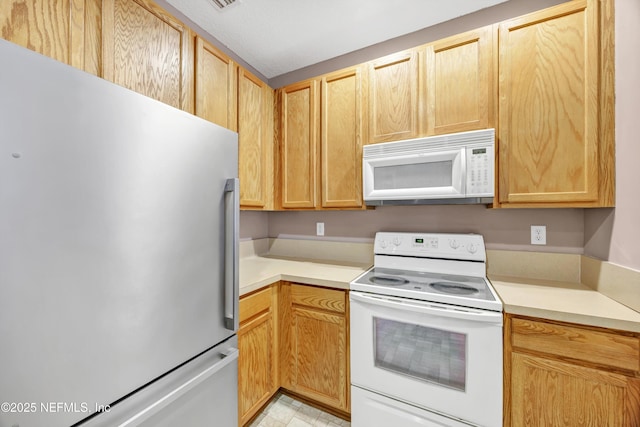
<point>257,362</point>
<point>319,341</point>
<point>149,51</point>
<point>298,144</point>
<point>215,76</point>
<point>394,97</point>
<point>314,347</point>
<point>255,141</point>
<point>548,89</point>
<point>547,392</point>
<point>65,30</point>
<point>342,133</point>
<point>460,83</point>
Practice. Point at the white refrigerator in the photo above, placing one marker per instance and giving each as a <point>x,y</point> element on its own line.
<point>118,255</point>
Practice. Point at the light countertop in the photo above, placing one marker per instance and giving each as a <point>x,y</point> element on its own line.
<point>259,271</point>
<point>562,301</point>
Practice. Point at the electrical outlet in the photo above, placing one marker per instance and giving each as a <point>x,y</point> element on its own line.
<point>319,228</point>
<point>538,234</point>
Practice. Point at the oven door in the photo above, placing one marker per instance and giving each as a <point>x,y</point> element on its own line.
<point>442,358</point>
<point>431,175</point>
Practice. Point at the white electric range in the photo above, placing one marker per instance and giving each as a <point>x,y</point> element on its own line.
<point>426,334</point>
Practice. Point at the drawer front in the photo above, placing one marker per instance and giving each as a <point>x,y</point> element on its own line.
<point>324,299</point>
<point>253,304</point>
<point>603,348</point>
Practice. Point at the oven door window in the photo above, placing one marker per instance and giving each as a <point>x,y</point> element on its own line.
<point>428,354</point>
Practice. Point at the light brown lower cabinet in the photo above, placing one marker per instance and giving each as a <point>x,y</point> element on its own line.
<point>314,345</point>
<point>296,337</point>
<point>560,374</point>
<point>258,359</point>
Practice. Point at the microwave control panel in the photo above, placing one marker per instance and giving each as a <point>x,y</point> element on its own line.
<point>480,171</point>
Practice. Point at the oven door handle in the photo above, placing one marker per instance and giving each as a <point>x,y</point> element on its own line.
<point>426,307</point>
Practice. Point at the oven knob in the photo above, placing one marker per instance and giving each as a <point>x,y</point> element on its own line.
<point>472,248</point>
<point>454,244</point>
<point>397,241</point>
<point>383,244</point>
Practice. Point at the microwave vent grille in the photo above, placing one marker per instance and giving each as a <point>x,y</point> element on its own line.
<point>431,143</point>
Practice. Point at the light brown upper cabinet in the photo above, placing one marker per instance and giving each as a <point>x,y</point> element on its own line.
<point>65,30</point>
<point>298,133</point>
<point>556,107</point>
<point>459,82</point>
<point>149,51</point>
<point>255,142</point>
<point>342,133</point>
<point>394,97</point>
<point>331,109</point>
<point>232,97</point>
<point>215,75</point>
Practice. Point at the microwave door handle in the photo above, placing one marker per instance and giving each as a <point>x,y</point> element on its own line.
<point>424,307</point>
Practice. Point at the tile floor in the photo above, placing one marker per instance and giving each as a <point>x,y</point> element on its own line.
<point>283,411</point>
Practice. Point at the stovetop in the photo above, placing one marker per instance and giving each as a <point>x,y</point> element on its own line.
<point>460,290</point>
<point>431,267</point>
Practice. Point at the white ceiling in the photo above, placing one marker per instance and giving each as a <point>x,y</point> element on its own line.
<point>279,36</point>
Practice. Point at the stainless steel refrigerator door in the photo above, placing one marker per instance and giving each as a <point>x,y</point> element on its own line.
<point>112,247</point>
<point>199,394</point>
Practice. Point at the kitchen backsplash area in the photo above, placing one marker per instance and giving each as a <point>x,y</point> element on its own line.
<point>545,268</point>
<point>349,238</point>
<point>502,229</point>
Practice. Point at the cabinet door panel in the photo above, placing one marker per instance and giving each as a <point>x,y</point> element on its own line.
<point>314,344</point>
<point>549,105</point>
<point>298,134</point>
<point>319,351</point>
<point>65,30</point>
<point>215,76</point>
<point>258,361</point>
<point>149,51</point>
<point>552,393</point>
<point>256,380</point>
<point>254,139</point>
<point>459,81</point>
<point>342,136</point>
<point>394,97</point>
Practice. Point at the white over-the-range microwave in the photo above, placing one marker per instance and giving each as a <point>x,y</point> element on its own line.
<point>455,168</point>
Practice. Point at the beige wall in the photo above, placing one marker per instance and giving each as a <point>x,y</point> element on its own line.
<point>254,225</point>
<point>502,228</point>
<point>614,234</point>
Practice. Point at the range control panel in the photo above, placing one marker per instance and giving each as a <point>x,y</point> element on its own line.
<point>431,245</point>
